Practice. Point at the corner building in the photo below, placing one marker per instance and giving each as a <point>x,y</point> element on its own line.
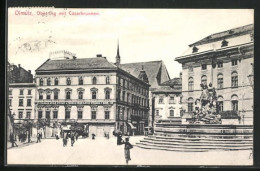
<point>91,91</point>
<point>225,60</point>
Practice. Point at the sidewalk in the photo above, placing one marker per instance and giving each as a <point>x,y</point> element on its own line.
<point>21,144</point>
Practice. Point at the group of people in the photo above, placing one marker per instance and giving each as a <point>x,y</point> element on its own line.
<point>72,136</point>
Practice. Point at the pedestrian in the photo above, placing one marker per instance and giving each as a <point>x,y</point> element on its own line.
<point>93,136</point>
<point>128,146</point>
<point>64,141</point>
<point>19,137</point>
<point>77,136</point>
<point>57,136</point>
<point>107,135</point>
<point>38,138</point>
<point>72,140</point>
<point>119,139</point>
<point>13,140</point>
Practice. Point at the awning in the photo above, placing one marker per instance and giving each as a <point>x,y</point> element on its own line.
<point>131,125</point>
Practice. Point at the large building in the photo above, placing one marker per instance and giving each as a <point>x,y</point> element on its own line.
<point>17,74</point>
<point>225,60</point>
<point>157,74</point>
<point>92,91</point>
<point>167,101</point>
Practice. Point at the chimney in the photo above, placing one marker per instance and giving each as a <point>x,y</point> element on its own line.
<point>99,55</point>
<point>74,57</point>
<point>19,65</point>
<point>180,74</point>
<point>29,71</point>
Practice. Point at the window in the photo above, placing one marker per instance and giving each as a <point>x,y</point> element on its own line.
<point>171,100</point>
<point>234,62</point>
<point>47,115</point>
<point>204,66</point>
<point>94,80</point>
<point>56,81</point>
<point>171,112</point>
<point>123,83</point>
<point>79,114</point>
<point>220,64</point>
<point>56,95</point>
<point>157,113</point>
<point>29,92</point>
<point>39,114</point>
<point>29,102</point>
<point>119,94</point>
<point>190,83</point>
<point>10,92</point>
<point>118,113</point>
<point>67,114</point>
<point>40,96</point>
<point>55,114</point>
<point>107,80</point>
<point>190,104</point>
<point>10,102</point>
<point>68,95</point>
<point>68,81</point>
<point>28,115</point>
<point>20,114</point>
<point>21,92</point>
<point>234,79</point>
<point>194,49</point>
<point>161,99</point>
<point>234,102</point>
<point>220,104</point>
<point>224,43</point>
<point>48,96</point>
<point>48,82</point>
<point>41,82</point>
<point>93,115</point>
<point>220,81</point>
<point>204,80</point>
<point>107,114</point>
<point>80,81</point>
<point>20,102</point>
<point>80,95</point>
<point>107,94</point>
<point>127,97</point>
<point>94,95</point>
<point>123,98</point>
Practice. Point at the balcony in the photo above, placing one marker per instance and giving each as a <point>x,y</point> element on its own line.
<point>75,101</point>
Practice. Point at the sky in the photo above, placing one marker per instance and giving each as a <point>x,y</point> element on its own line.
<point>143,34</point>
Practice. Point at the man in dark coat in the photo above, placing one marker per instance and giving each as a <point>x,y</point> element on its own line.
<point>12,140</point>
<point>38,138</point>
<point>119,139</point>
<point>128,146</point>
<point>72,138</point>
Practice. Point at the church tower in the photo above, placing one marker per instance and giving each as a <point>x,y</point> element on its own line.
<point>117,55</point>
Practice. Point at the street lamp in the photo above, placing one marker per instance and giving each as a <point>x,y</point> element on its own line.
<point>251,77</point>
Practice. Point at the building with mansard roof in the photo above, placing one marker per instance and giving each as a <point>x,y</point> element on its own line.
<point>225,60</point>
<point>92,91</point>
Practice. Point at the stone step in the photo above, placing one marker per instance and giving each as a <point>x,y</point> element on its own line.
<point>197,144</point>
<point>183,150</point>
<point>199,138</point>
<point>196,147</point>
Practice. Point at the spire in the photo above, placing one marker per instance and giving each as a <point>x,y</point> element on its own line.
<point>117,55</point>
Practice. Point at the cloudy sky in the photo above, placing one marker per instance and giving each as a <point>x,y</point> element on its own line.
<point>143,34</point>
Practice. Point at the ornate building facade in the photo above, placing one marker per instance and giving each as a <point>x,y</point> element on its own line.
<point>225,60</point>
<point>91,91</point>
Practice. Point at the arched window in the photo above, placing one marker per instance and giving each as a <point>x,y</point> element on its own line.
<point>94,95</point>
<point>68,81</point>
<point>107,80</point>
<point>56,81</point>
<point>220,80</point>
<point>41,82</point>
<point>220,104</point>
<point>48,82</point>
<point>171,112</point>
<point>234,79</point>
<point>190,83</point>
<point>56,95</point>
<point>204,80</point>
<point>80,95</point>
<point>80,81</point>
<point>40,95</point>
<point>68,94</point>
<point>94,80</point>
<point>190,104</point>
<point>107,94</point>
<point>234,102</point>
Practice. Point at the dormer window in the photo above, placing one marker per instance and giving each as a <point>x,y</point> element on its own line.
<point>194,49</point>
<point>204,66</point>
<point>231,32</point>
<point>224,43</point>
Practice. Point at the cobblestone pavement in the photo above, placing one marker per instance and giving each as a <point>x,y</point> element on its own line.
<point>102,151</point>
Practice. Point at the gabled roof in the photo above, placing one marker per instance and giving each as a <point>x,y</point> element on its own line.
<point>155,70</point>
<point>172,82</point>
<point>172,86</point>
<point>77,64</point>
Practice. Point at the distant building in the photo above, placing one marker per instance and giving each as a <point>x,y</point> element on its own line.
<point>92,91</point>
<point>225,60</point>
<point>167,101</point>
<point>156,72</point>
<point>17,74</point>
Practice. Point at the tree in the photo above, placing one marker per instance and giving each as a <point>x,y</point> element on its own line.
<point>28,125</point>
